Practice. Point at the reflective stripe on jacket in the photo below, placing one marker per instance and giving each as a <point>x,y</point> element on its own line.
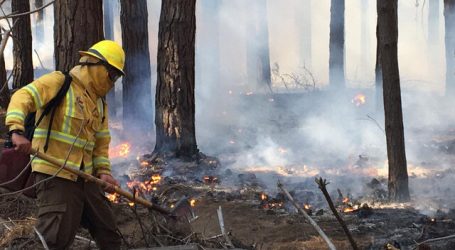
<point>79,132</point>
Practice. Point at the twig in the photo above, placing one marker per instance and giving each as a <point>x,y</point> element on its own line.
<point>322,184</point>
<point>223,230</point>
<point>436,239</point>
<point>312,222</point>
<point>83,239</point>
<point>39,59</point>
<point>134,208</point>
<point>26,13</point>
<point>41,238</point>
<point>377,123</point>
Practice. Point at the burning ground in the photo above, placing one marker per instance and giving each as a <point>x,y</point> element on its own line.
<point>242,180</point>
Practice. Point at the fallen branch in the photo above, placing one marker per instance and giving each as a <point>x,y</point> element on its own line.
<point>436,239</point>
<point>223,230</point>
<point>322,184</point>
<point>312,222</point>
<point>41,238</point>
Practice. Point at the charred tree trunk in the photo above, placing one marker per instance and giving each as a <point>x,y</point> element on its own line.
<point>174,105</point>
<point>4,91</point>
<point>39,25</point>
<point>258,52</point>
<point>109,34</point>
<point>388,40</point>
<point>22,45</point>
<point>78,24</point>
<point>449,16</point>
<point>303,13</point>
<point>137,89</point>
<point>378,75</point>
<point>336,46</point>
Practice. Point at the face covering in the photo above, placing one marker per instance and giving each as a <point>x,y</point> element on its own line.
<point>94,77</point>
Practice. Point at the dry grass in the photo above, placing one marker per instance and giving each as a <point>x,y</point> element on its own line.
<point>15,230</point>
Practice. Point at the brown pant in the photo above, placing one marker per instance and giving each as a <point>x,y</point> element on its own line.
<point>63,205</point>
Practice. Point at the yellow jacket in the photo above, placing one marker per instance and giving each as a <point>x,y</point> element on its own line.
<point>81,119</point>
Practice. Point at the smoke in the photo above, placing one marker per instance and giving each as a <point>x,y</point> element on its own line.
<point>308,133</point>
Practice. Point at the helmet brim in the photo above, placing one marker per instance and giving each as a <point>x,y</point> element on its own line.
<point>88,53</point>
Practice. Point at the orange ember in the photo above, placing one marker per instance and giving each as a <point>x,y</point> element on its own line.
<point>345,200</point>
<point>348,210</point>
<point>307,206</point>
<point>120,151</point>
<point>263,196</point>
<point>114,198</point>
<point>145,186</point>
<point>359,99</point>
<point>193,202</point>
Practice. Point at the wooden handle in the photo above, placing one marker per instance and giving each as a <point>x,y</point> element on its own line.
<point>102,183</point>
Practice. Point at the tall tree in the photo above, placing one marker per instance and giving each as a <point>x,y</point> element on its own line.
<point>388,40</point>
<point>258,51</point>
<point>4,91</point>
<point>109,7</point>
<point>39,25</point>
<point>78,24</point>
<point>137,89</point>
<point>336,45</point>
<point>303,13</point>
<point>22,45</point>
<point>378,75</point>
<point>449,17</point>
<point>174,103</point>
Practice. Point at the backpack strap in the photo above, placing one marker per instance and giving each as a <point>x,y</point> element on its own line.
<point>52,104</point>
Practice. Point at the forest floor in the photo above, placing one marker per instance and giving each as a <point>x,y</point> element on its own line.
<point>249,223</point>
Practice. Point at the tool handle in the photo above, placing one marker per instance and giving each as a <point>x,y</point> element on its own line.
<point>102,183</point>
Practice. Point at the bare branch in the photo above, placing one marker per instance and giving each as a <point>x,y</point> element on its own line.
<point>26,13</point>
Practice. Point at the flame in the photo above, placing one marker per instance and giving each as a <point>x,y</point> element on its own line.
<point>359,99</point>
<point>348,210</point>
<point>131,204</point>
<point>114,198</point>
<point>193,202</point>
<point>120,151</point>
<point>345,200</point>
<point>145,186</point>
<point>307,206</point>
<point>263,196</point>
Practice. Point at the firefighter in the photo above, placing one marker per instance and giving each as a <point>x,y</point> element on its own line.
<point>79,136</point>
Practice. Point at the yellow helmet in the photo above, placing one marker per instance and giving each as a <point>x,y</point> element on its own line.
<point>108,51</point>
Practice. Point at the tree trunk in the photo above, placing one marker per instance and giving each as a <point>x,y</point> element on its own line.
<point>174,105</point>
<point>449,16</point>
<point>78,25</point>
<point>336,46</point>
<point>137,89</point>
<point>433,21</point>
<point>4,91</point>
<point>378,76</point>
<point>388,39</point>
<point>109,34</point>
<point>22,45</point>
<point>258,52</point>
<point>39,25</point>
<point>303,13</point>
